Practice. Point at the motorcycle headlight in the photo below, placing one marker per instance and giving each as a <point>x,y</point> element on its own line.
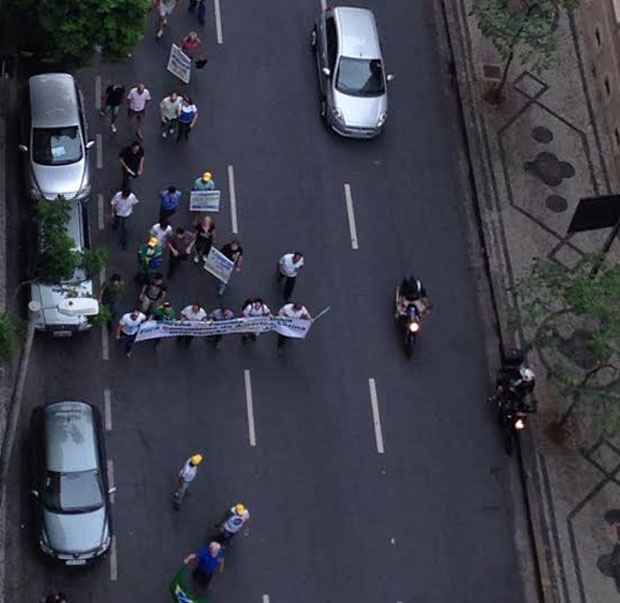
<point>519,424</point>
<point>381,119</point>
<point>414,327</point>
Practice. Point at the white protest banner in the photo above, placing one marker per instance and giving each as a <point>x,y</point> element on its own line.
<point>204,201</point>
<point>291,327</point>
<point>179,64</point>
<point>219,265</point>
<point>155,330</point>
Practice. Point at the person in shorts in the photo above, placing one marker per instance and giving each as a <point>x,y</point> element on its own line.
<point>137,100</point>
<point>164,8</point>
<point>111,103</point>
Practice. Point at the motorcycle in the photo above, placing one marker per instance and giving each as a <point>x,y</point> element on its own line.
<point>409,323</point>
<point>512,421</point>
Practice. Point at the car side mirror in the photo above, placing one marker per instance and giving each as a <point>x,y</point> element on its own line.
<point>90,144</point>
<point>390,77</point>
<point>35,493</point>
<point>23,148</point>
<point>112,490</point>
<point>326,71</point>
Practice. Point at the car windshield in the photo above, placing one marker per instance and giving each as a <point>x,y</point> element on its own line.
<point>76,492</point>
<point>360,77</point>
<point>56,146</point>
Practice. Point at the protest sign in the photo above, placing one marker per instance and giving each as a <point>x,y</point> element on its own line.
<point>179,64</point>
<point>204,201</point>
<point>219,265</point>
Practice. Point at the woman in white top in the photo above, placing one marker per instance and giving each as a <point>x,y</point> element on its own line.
<point>163,231</point>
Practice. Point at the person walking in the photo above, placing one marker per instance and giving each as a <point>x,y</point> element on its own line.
<point>291,310</point>
<point>153,294</point>
<point>150,256</point>
<point>164,9</point>
<point>169,200</point>
<point>137,101</point>
<point>169,109</point>
<point>122,207</point>
<point>132,162</point>
<point>111,103</point>
<point>164,313</point>
<point>127,329</point>
<point>218,315</point>
<point>204,182</point>
<point>192,313</point>
<point>204,232</point>
<point>198,6</point>
<point>191,45</point>
<point>185,476</point>
<point>288,268</point>
<point>206,562</point>
<point>236,517</point>
<point>110,294</point>
<point>179,248</point>
<point>163,231</point>
<point>188,115</point>
<point>234,252</point>
<point>254,308</point>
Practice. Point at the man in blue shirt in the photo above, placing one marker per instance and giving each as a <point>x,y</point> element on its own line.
<point>168,202</point>
<point>207,560</point>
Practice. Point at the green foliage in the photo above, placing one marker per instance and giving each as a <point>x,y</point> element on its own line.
<point>69,29</point>
<point>9,330</point>
<point>103,318</point>
<point>93,260</point>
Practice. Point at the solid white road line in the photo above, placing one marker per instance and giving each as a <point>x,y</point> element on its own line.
<point>352,229</point>
<point>218,21</point>
<point>99,144</point>
<point>107,407</point>
<point>376,418</point>
<point>247,378</point>
<point>98,93</point>
<point>111,478</point>
<point>233,200</point>
<point>100,212</point>
<point>113,561</point>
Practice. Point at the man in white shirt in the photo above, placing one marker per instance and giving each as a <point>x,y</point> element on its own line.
<point>169,110</point>
<point>289,266</point>
<point>292,310</point>
<point>122,207</point>
<point>185,476</point>
<point>236,518</point>
<point>163,231</point>
<point>128,327</point>
<point>137,101</point>
<point>193,313</point>
<point>253,308</point>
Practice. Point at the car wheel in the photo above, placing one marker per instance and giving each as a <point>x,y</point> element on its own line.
<point>313,39</point>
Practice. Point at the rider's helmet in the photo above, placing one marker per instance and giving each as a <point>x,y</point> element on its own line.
<point>527,374</point>
<point>411,287</point>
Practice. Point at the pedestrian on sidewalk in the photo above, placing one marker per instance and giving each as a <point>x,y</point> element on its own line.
<point>169,109</point>
<point>201,10</point>
<point>288,268</point>
<point>127,329</point>
<point>188,115</point>
<point>204,182</point>
<point>169,200</point>
<point>292,310</point>
<point>234,252</point>
<point>138,99</point>
<point>254,308</point>
<point>122,207</point>
<point>163,231</point>
<point>111,103</point>
<point>132,162</point>
<point>164,313</point>
<point>204,232</point>
<point>164,9</point>
<point>206,562</point>
<point>185,477</point>
<point>218,315</point>
<point>180,247</point>
<point>110,294</point>
<point>150,257</point>
<point>153,294</point>
<point>193,313</point>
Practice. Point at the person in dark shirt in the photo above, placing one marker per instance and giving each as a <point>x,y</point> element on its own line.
<point>234,252</point>
<point>111,103</point>
<point>132,162</point>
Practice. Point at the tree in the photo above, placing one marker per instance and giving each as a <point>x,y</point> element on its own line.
<point>573,317</point>
<point>525,28</point>
<point>68,30</point>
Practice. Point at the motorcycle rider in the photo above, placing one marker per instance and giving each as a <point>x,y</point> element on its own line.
<point>236,518</point>
<point>514,385</point>
<point>412,292</point>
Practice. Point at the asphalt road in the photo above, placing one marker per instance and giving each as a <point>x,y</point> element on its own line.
<point>429,519</point>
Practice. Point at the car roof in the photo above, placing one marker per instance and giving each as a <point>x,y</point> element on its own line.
<point>70,437</point>
<point>53,100</point>
<point>359,37</point>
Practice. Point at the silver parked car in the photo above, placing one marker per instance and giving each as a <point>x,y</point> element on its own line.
<point>352,77</point>
<point>70,482</point>
<point>53,133</point>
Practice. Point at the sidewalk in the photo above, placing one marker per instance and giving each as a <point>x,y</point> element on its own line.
<point>532,159</point>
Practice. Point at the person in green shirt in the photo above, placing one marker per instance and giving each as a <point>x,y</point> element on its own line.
<point>150,258</point>
<point>164,313</point>
<point>204,182</point>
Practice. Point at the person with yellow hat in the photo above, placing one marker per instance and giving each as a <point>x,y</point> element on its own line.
<point>204,182</point>
<point>185,476</point>
<point>236,518</point>
<point>150,258</point>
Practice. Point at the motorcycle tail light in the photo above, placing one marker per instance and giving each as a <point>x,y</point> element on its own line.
<point>414,327</point>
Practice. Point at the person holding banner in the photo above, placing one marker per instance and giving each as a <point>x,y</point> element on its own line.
<point>193,313</point>
<point>217,315</point>
<point>292,310</point>
<point>254,308</point>
<point>204,182</point>
<point>234,252</point>
<point>127,329</point>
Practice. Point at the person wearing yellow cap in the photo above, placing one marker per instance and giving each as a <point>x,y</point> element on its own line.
<point>185,476</point>
<point>204,182</point>
<point>236,518</point>
<point>150,258</point>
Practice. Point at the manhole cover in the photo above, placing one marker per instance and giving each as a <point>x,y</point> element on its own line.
<point>556,204</point>
<point>542,134</point>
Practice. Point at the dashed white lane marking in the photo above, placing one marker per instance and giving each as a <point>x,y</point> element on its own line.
<point>111,478</point>
<point>99,145</point>
<point>265,598</point>
<point>98,93</point>
<point>233,200</point>
<point>113,561</point>
<point>352,229</point>
<point>105,344</point>
<point>218,21</point>
<point>247,378</point>
<point>107,407</point>
<point>376,417</point>
<point>100,212</point>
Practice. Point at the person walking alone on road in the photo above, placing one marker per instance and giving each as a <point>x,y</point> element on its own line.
<point>234,252</point>
<point>127,329</point>
<point>111,103</point>
<point>164,9</point>
<point>180,248</point>
<point>288,268</point>
<point>169,200</point>
<point>204,231</point>
<point>122,207</point>
<point>218,315</point>
<point>132,162</point>
<point>204,182</point>
<point>193,313</point>
<point>254,308</point>
<point>138,99</point>
<point>169,109</point>
<point>188,115</point>
<point>109,297</point>
<point>185,476</point>
<point>292,310</point>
